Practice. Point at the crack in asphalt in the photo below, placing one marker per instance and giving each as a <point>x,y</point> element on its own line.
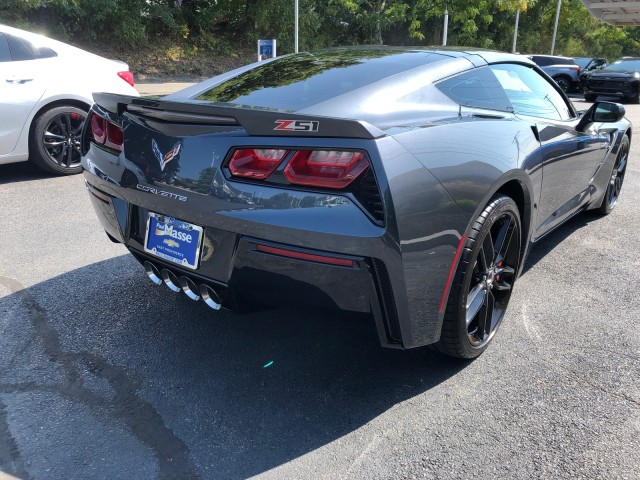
<point>140,417</point>
<point>622,396</point>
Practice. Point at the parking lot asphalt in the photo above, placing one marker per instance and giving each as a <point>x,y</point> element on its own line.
<point>105,375</point>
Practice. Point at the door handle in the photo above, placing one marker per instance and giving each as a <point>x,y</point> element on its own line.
<point>18,80</point>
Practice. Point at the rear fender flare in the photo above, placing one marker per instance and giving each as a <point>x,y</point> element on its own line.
<point>514,183</point>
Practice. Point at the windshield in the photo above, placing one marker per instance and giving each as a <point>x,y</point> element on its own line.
<point>625,65</point>
<point>582,62</point>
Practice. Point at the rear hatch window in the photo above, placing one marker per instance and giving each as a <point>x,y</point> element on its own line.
<point>299,81</point>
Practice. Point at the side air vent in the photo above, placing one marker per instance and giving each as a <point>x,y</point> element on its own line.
<point>368,194</point>
<point>388,304</point>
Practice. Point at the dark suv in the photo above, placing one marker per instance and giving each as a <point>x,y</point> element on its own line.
<point>564,70</point>
<point>588,65</point>
<point>620,79</point>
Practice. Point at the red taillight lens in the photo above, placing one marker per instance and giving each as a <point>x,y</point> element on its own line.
<point>115,137</point>
<point>256,163</point>
<point>127,77</point>
<point>325,168</point>
<point>98,128</point>
<point>106,133</point>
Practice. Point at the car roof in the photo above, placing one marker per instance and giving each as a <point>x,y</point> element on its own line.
<point>474,57</point>
<point>353,82</point>
<point>470,53</point>
<point>547,56</point>
<point>44,41</point>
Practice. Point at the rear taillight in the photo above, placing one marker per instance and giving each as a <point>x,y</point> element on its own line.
<point>256,163</point>
<point>115,136</point>
<point>98,128</point>
<point>127,76</point>
<point>325,168</point>
<point>106,133</point>
<point>315,168</point>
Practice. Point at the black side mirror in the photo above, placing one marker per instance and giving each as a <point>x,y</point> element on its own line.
<point>608,112</point>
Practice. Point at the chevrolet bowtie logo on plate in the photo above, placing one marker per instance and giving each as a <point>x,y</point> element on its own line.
<point>167,157</point>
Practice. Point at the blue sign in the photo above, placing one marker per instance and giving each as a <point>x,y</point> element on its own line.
<point>173,240</point>
<point>266,49</point>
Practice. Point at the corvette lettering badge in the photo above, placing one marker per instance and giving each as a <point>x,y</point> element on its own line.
<point>162,193</point>
<point>297,125</point>
<point>167,157</point>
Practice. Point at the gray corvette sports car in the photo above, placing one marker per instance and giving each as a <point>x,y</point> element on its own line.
<point>400,182</point>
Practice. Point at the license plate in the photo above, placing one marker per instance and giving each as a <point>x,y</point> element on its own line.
<point>173,240</point>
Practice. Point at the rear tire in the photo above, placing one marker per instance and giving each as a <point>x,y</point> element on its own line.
<point>563,82</point>
<point>614,187</point>
<point>483,280</point>
<point>590,97</point>
<point>54,143</point>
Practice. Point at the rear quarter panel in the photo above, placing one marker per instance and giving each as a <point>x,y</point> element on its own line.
<point>467,160</point>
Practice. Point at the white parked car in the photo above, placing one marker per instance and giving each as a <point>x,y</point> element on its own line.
<point>46,91</point>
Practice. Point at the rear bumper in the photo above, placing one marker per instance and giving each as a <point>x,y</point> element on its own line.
<point>402,231</point>
<point>245,278</point>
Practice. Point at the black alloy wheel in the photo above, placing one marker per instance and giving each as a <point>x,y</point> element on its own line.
<point>483,281</point>
<point>617,178</point>
<point>55,140</point>
<point>564,83</point>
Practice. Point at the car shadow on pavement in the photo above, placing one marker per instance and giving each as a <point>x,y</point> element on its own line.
<point>21,172</point>
<point>203,393</point>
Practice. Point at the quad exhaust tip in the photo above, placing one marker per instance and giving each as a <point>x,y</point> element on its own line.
<point>189,288</point>
<point>208,295</point>
<point>152,273</point>
<point>170,280</point>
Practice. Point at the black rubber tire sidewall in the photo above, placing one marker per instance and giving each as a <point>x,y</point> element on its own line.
<point>37,153</point>
<point>605,208</point>
<point>454,340</point>
<point>559,80</point>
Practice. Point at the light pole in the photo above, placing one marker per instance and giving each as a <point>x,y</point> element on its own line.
<point>515,32</point>
<point>555,28</point>
<point>295,35</point>
<point>446,25</point>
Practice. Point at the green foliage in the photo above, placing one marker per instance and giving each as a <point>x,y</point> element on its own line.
<point>225,25</point>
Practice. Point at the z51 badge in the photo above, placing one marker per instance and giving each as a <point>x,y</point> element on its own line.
<point>297,125</point>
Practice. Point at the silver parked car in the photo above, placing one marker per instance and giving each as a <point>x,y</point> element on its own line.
<point>564,70</point>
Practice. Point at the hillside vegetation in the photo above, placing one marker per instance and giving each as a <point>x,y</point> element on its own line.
<point>199,38</point>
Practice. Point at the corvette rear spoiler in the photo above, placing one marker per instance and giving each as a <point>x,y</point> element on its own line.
<point>256,121</point>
